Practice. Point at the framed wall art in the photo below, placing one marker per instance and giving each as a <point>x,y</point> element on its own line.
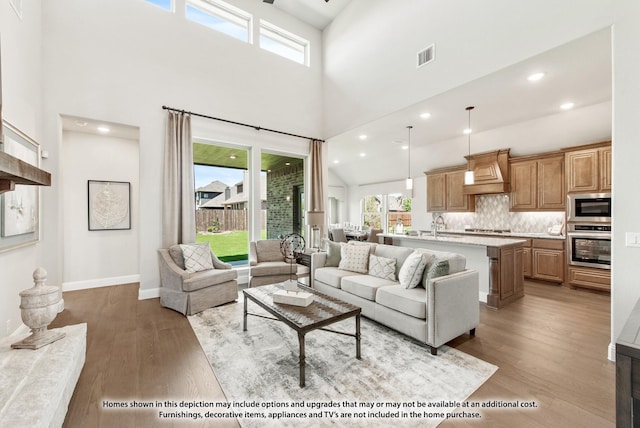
<point>109,205</point>
<point>19,208</point>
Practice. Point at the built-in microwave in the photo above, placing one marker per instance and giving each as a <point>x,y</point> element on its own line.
<point>589,207</point>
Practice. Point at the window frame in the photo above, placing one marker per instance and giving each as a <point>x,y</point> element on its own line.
<point>284,38</point>
<point>171,9</point>
<point>225,12</point>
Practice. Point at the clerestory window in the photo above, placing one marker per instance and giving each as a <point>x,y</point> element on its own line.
<point>284,43</point>
<point>222,17</point>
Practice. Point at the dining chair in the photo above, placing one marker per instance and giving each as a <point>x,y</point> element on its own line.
<point>338,235</point>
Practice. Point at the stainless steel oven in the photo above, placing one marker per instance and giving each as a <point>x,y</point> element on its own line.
<point>589,207</point>
<point>589,245</point>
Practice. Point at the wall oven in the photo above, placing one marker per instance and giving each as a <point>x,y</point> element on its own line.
<point>589,245</point>
<point>589,207</point>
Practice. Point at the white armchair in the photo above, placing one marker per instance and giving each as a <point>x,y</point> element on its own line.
<point>193,292</point>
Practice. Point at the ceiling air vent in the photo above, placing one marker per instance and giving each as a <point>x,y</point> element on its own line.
<point>426,55</point>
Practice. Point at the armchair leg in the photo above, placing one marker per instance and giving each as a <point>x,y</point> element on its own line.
<point>434,350</point>
<point>472,332</point>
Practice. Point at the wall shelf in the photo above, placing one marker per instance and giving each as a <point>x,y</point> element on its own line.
<point>14,171</point>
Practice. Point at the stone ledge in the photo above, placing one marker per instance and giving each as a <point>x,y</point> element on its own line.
<point>36,385</point>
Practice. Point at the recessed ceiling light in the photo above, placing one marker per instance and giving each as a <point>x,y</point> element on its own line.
<point>468,131</point>
<point>232,156</point>
<point>405,147</point>
<point>362,155</point>
<point>363,137</point>
<point>336,161</point>
<point>287,163</point>
<point>425,115</point>
<point>535,77</point>
<point>103,129</point>
<point>567,106</point>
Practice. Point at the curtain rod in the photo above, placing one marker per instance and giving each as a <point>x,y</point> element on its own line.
<point>257,128</point>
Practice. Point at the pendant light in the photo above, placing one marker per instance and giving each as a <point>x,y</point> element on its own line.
<point>468,175</point>
<point>409,180</point>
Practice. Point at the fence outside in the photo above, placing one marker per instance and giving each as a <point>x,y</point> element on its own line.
<point>226,220</point>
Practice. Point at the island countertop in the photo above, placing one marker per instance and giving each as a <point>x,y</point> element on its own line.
<point>481,241</point>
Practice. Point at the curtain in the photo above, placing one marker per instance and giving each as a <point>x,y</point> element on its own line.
<point>317,183</point>
<point>178,208</point>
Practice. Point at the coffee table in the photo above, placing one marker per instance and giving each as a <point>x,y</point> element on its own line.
<point>324,310</point>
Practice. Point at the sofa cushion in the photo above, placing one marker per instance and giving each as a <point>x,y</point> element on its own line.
<point>332,275</point>
<point>207,278</point>
<point>394,252</point>
<point>197,257</point>
<point>333,253</point>
<point>412,270</point>
<point>457,262</point>
<point>272,268</point>
<point>268,250</point>
<point>364,286</point>
<point>412,301</point>
<point>437,267</point>
<point>354,258</point>
<point>382,267</point>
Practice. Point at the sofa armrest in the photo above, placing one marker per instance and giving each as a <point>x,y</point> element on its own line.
<point>219,264</point>
<point>318,260</point>
<point>171,276</point>
<point>253,254</point>
<point>453,306</point>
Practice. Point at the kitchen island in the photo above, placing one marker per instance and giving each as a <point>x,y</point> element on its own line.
<point>498,261</point>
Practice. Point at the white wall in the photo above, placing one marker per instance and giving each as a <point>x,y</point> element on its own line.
<point>22,107</point>
<point>97,258</point>
<point>626,152</point>
<point>121,60</point>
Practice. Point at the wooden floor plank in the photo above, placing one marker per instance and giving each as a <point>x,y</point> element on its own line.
<point>550,347</point>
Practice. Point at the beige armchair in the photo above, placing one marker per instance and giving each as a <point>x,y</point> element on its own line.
<point>268,266</point>
<point>193,292</point>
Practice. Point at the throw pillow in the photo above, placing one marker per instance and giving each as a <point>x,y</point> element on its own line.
<point>437,267</point>
<point>411,271</point>
<point>382,267</point>
<point>354,258</point>
<point>333,253</point>
<point>197,257</point>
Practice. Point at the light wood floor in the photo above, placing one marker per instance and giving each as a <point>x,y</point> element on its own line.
<point>550,347</point>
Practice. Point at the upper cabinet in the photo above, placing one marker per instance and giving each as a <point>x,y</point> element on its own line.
<point>589,168</point>
<point>445,191</point>
<point>537,183</point>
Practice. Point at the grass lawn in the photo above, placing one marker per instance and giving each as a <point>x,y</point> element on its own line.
<point>229,246</point>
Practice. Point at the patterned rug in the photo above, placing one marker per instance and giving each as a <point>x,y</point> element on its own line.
<point>397,381</point>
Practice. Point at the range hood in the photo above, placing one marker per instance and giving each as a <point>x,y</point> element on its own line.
<point>491,171</point>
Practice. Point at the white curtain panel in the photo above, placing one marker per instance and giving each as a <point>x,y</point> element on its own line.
<point>178,213</point>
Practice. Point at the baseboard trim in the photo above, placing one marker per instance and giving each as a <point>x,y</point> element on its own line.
<point>100,282</point>
<point>483,296</point>
<point>151,293</point>
<point>612,352</point>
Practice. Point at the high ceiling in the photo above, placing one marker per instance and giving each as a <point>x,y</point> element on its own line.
<point>318,13</point>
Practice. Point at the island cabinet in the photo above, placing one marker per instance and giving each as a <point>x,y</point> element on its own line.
<point>588,168</point>
<point>444,191</point>
<point>537,183</point>
<point>506,279</point>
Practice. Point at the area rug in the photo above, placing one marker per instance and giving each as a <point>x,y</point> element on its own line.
<point>397,381</point>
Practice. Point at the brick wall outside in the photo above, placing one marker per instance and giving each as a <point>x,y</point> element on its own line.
<point>280,211</point>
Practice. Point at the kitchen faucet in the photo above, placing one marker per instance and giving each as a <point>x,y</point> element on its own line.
<point>439,221</point>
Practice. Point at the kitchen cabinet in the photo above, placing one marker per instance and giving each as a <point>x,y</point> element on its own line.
<point>548,260</point>
<point>445,191</point>
<point>544,259</point>
<point>585,277</point>
<point>537,183</point>
<point>589,168</point>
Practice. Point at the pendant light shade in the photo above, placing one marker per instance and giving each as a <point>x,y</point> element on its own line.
<point>409,181</point>
<point>469,177</point>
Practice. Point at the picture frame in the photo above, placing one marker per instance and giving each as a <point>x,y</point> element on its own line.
<point>19,208</point>
<point>109,205</point>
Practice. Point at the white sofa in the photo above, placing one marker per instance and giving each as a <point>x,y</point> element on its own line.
<point>435,312</point>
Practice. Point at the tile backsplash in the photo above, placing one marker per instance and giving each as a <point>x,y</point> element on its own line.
<point>492,212</point>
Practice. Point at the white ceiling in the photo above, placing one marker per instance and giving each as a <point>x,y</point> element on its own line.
<point>91,126</point>
<point>579,71</point>
<point>318,13</point>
